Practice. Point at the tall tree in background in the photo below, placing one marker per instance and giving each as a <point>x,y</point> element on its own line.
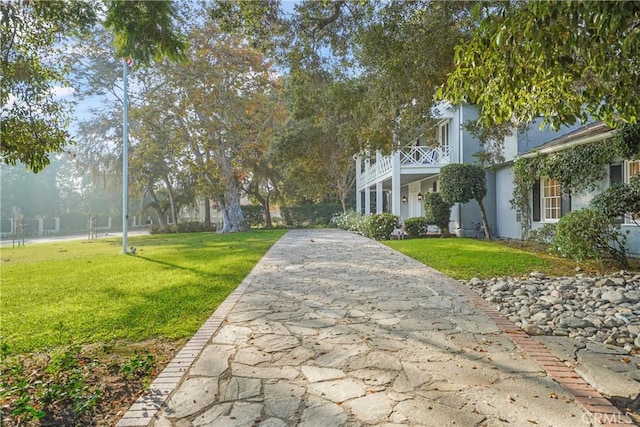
<point>34,36</point>
<point>562,60</point>
<point>221,101</point>
<point>322,136</point>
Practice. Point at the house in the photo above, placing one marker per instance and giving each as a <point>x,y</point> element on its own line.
<point>397,183</point>
<point>549,202</point>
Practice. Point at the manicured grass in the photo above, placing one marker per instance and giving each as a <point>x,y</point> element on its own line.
<point>87,292</point>
<point>463,258</point>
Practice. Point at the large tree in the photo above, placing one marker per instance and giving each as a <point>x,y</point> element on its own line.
<point>34,36</point>
<point>562,60</point>
<point>222,100</point>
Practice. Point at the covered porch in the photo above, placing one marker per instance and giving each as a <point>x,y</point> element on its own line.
<point>396,183</point>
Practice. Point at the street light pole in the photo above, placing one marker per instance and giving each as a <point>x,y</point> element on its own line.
<point>125,157</point>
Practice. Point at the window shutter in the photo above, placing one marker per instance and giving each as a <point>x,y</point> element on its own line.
<point>536,201</point>
<point>615,174</point>
<point>565,203</point>
<point>616,177</point>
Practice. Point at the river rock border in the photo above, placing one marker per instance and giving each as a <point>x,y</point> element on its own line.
<point>603,309</point>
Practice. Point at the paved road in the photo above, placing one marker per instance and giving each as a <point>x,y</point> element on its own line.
<point>64,238</point>
<point>333,329</point>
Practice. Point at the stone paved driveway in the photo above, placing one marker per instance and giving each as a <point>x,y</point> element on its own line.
<point>334,329</point>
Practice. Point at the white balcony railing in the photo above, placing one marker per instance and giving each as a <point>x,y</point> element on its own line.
<point>422,156</point>
<point>414,156</point>
<point>377,169</point>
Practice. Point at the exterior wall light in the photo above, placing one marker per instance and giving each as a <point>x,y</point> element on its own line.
<point>419,196</point>
<point>404,199</point>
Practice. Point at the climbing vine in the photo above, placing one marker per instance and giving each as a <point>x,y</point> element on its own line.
<point>578,168</point>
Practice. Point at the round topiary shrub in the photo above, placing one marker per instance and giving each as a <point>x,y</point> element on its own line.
<point>437,212</point>
<point>380,226</point>
<point>589,234</point>
<point>416,227</point>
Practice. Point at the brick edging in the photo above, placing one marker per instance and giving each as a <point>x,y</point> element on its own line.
<point>145,408</point>
<point>600,408</point>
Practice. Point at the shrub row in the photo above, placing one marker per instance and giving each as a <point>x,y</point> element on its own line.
<point>182,227</point>
<point>376,226</point>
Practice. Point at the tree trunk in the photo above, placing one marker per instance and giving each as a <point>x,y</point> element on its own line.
<point>174,212</point>
<point>161,221</point>
<point>267,216</point>
<point>234,219</point>
<point>234,210</point>
<point>226,223</point>
<point>207,211</point>
<point>264,203</point>
<point>485,223</point>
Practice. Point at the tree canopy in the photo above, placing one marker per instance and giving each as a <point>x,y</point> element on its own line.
<point>35,36</point>
<point>562,60</point>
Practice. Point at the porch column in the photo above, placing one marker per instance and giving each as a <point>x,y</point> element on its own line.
<point>358,160</point>
<point>367,201</point>
<point>396,202</point>
<point>379,196</point>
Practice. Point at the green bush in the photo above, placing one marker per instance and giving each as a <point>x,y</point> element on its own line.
<point>182,227</point>
<point>312,215</point>
<point>437,212</point>
<point>589,234</point>
<point>351,221</point>
<point>416,227</point>
<point>380,226</point>
<point>544,235</point>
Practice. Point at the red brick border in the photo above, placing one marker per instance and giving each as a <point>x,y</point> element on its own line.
<point>600,408</point>
<point>144,410</point>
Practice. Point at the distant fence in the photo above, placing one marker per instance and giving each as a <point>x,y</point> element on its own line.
<point>72,223</point>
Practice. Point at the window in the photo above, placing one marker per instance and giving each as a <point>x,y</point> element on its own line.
<point>551,199</point>
<point>518,215</point>
<point>443,134</point>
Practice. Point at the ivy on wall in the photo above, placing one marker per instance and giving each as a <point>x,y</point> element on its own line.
<point>578,168</point>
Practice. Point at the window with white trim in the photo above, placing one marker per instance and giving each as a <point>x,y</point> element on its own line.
<point>632,169</point>
<point>551,199</point>
<point>443,134</point>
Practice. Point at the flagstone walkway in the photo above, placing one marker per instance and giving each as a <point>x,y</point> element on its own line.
<point>334,329</point>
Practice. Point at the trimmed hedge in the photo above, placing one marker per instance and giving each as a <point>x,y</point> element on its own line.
<point>313,215</point>
<point>182,227</point>
<point>380,226</point>
<point>416,227</point>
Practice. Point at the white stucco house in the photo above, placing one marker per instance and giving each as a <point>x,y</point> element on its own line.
<point>397,182</point>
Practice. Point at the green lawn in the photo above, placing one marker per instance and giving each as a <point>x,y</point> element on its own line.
<point>87,292</point>
<point>463,258</point>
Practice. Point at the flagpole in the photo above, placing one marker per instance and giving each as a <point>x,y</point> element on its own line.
<point>125,158</point>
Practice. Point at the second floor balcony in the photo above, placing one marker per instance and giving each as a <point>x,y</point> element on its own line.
<point>410,160</point>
